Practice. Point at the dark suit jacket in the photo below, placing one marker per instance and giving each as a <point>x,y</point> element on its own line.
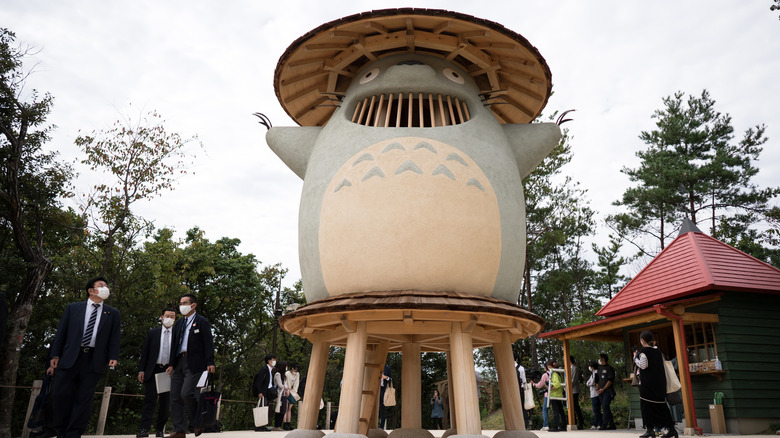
<point>262,380</point>
<point>67,341</point>
<point>200,344</point>
<point>150,351</point>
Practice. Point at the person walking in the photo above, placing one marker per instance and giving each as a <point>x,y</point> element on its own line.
<point>576,379</point>
<point>282,391</point>
<point>595,401</point>
<point>652,387</point>
<point>556,391</point>
<point>605,386</point>
<point>293,379</point>
<point>194,354</point>
<point>386,377</point>
<point>437,411</point>
<point>87,340</point>
<point>155,358</point>
<point>544,382</point>
<point>521,380</point>
<point>263,386</point>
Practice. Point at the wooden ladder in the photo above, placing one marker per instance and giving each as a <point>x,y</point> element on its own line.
<point>376,356</point>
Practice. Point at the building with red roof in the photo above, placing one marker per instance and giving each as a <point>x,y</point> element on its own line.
<point>717,311</point>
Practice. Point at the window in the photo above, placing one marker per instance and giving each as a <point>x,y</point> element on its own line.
<point>700,340</point>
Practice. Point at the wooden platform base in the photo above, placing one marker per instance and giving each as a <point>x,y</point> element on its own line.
<point>369,325</point>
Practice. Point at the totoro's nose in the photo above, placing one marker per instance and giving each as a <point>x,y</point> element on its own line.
<point>410,72</point>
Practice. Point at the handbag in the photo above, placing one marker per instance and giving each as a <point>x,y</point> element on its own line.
<point>208,405</point>
<point>672,382</point>
<point>528,394</point>
<point>634,380</point>
<point>260,413</point>
<point>674,398</point>
<point>389,399</point>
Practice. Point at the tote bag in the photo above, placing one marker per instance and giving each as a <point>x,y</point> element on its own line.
<point>261,414</point>
<point>528,394</point>
<point>672,382</point>
<point>389,394</point>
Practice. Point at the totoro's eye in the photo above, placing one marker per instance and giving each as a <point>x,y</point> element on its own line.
<point>453,75</point>
<point>369,75</point>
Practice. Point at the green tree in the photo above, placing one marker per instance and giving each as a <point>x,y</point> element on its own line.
<point>693,167</point>
<point>608,280</point>
<point>31,216</point>
<point>557,276</point>
<point>145,160</point>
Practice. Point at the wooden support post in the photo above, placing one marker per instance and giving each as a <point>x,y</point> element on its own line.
<point>101,425</point>
<point>569,395</point>
<point>310,407</point>
<point>411,380</point>
<point>36,389</point>
<point>682,366</point>
<point>328,407</point>
<point>464,382</point>
<point>450,396</point>
<point>509,388</point>
<point>348,420</point>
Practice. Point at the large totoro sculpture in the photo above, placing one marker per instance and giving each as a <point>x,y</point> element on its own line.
<point>415,138</point>
<point>414,182</point>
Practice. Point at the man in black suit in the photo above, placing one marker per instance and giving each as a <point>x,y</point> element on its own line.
<point>194,346</point>
<point>263,386</point>
<point>87,339</point>
<point>155,358</point>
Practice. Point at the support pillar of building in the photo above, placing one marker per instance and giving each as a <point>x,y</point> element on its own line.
<point>509,387</point>
<point>464,381</point>
<point>352,387</point>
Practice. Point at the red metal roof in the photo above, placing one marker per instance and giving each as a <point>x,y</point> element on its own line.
<point>694,262</point>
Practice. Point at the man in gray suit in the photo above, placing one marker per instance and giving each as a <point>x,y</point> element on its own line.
<point>87,340</point>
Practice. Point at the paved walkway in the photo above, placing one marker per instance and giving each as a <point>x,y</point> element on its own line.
<point>437,433</point>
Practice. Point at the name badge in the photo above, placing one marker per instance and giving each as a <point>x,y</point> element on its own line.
<point>196,331</point>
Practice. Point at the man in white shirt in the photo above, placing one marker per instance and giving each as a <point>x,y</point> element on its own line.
<point>155,358</point>
<point>522,381</point>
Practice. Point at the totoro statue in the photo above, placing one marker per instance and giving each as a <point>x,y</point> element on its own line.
<point>416,137</point>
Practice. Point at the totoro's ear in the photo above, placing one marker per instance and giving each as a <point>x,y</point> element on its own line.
<point>293,145</point>
<point>531,142</point>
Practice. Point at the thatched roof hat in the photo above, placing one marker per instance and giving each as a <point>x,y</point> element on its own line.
<point>318,67</point>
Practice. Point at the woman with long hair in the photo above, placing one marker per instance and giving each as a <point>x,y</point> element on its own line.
<point>280,377</point>
<point>652,387</point>
<point>292,379</point>
<point>556,390</point>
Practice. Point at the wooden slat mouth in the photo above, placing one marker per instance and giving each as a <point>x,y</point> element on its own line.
<point>410,110</point>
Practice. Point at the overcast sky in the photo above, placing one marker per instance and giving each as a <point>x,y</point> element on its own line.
<point>206,66</point>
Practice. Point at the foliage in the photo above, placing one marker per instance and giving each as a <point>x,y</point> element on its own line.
<point>144,160</point>
<point>33,224</point>
<point>693,168</point>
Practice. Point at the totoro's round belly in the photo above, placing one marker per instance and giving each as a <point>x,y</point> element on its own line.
<point>410,213</point>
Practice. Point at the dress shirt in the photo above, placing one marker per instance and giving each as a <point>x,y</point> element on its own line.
<point>271,376</point>
<point>160,359</point>
<point>187,325</point>
<point>87,314</point>
<point>521,372</point>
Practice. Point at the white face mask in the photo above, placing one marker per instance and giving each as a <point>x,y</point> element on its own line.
<point>185,309</point>
<point>167,322</point>
<point>103,292</point>
<point>273,363</point>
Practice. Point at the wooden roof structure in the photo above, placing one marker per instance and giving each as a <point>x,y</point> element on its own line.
<point>319,66</point>
<point>423,317</point>
<point>694,262</point>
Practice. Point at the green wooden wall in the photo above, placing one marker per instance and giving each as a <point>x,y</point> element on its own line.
<point>748,338</point>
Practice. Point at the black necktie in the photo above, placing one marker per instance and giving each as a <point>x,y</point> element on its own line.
<point>90,326</point>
